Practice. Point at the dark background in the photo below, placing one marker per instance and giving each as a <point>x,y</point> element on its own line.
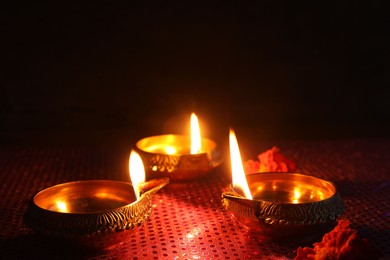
<point>111,73</point>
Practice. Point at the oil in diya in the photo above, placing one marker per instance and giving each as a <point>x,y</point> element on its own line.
<point>179,157</point>
<point>94,214</point>
<point>280,206</point>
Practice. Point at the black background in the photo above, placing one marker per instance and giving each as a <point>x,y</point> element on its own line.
<point>111,73</point>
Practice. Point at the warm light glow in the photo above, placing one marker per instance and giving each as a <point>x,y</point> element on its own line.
<point>170,150</point>
<point>193,233</point>
<point>61,206</point>
<point>297,195</point>
<point>195,135</point>
<point>320,195</point>
<point>102,195</point>
<point>137,172</point>
<point>260,187</point>
<point>238,174</point>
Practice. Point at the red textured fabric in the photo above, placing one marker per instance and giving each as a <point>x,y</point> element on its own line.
<point>188,221</point>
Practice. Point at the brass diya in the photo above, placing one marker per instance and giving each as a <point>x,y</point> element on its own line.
<point>169,156</point>
<point>285,205</point>
<point>93,214</point>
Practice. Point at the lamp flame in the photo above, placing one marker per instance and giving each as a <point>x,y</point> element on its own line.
<point>195,135</point>
<point>137,172</point>
<point>238,174</point>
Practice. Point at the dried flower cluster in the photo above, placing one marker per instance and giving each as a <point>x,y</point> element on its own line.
<point>270,161</point>
<point>340,243</point>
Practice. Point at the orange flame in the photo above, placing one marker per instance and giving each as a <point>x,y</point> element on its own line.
<point>238,174</point>
<point>137,172</point>
<point>195,135</point>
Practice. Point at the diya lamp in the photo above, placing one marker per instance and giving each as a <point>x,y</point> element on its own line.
<point>94,214</point>
<point>179,157</point>
<point>280,206</point>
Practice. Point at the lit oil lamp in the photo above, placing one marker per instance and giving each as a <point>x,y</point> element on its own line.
<point>179,157</point>
<point>94,214</point>
<point>280,206</point>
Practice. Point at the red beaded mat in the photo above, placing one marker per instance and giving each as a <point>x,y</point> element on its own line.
<point>188,221</point>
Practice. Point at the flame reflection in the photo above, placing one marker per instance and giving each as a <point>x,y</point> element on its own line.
<point>297,195</point>
<point>170,150</point>
<point>62,206</point>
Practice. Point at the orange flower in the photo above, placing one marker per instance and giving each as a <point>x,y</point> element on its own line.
<point>270,161</point>
<point>340,243</point>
